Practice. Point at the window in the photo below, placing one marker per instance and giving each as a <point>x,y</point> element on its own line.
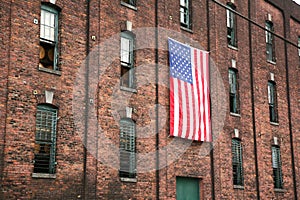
<point>127,60</point>
<point>276,164</point>
<point>270,42</point>
<point>49,38</point>
<point>231,25</point>
<point>272,99</point>
<point>185,14</point>
<point>237,162</point>
<point>127,149</point>
<point>130,2</point>
<point>45,139</point>
<point>233,91</point>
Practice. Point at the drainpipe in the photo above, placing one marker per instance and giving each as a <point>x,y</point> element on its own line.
<point>156,103</point>
<point>212,166</point>
<point>253,100</point>
<point>286,30</point>
<point>84,193</point>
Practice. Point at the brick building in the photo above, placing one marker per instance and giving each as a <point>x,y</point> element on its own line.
<point>84,99</point>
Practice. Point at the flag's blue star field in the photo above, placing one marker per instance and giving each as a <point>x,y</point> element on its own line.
<point>180,61</point>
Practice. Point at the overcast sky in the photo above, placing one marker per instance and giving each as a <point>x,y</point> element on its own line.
<point>297,1</point>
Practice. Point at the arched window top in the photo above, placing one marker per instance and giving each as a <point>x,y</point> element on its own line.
<point>47,106</point>
<point>50,7</point>
<point>231,5</point>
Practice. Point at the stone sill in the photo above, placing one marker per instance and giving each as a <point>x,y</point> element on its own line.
<point>233,47</point>
<point>42,175</point>
<point>128,89</point>
<point>235,114</point>
<point>56,72</point>
<point>279,190</point>
<point>271,62</point>
<point>130,180</point>
<point>274,123</point>
<point>240,187</point>
<point>128,6</point>
<point>186,29</point>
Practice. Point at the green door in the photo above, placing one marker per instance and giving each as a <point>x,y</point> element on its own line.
<point>187,188</point>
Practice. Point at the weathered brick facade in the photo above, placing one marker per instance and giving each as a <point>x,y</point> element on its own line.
<point>91,102</point>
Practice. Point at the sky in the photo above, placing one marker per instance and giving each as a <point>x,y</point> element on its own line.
<point>297,1</point>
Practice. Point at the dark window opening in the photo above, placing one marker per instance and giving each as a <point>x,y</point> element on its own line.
<point>272,99</point>
<point>231,25</point>
<point>233,91</point>
<point>185,14</point>
<point>45,140</point>
<point>237,162</point>
<point>270,42</point>
<point>277,170</point>
<point>127,149</point>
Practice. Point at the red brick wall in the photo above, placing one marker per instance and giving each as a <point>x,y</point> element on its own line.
<point>20,77</point>
<point>24,77</point>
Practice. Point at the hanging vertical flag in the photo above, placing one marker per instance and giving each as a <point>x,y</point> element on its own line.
<point>189,92</point>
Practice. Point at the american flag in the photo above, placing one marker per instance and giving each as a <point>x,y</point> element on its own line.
<point>189,92</point>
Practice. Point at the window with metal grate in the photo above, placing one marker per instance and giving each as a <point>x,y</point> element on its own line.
<point>237,162</point>
<point>127,148</point>
<point>45,139</point>
<point>276,164</point>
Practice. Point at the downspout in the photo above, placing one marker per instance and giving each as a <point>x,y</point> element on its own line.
<point>156,103</point>
<point>86,99</point>
<point>212,166</point>
<point>286,29</point>
<point>253,100</point>
<point>6,102</point>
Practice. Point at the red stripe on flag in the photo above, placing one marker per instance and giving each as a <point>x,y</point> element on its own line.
<point>180,109</point>
<point>188,111</point>
<point>171,107</point>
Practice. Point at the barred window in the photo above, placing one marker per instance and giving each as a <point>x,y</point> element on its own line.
<point>276,164</point>
<point>270,42</point>
<point>127,148</point>
<point>127,60</point>
<point>231,25</point>
<point>185,14</point>
<point>49,38</point>
<point>233,91</point>
<point>272,99</point>
<point>237,162</point>
<point>45,139</point>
